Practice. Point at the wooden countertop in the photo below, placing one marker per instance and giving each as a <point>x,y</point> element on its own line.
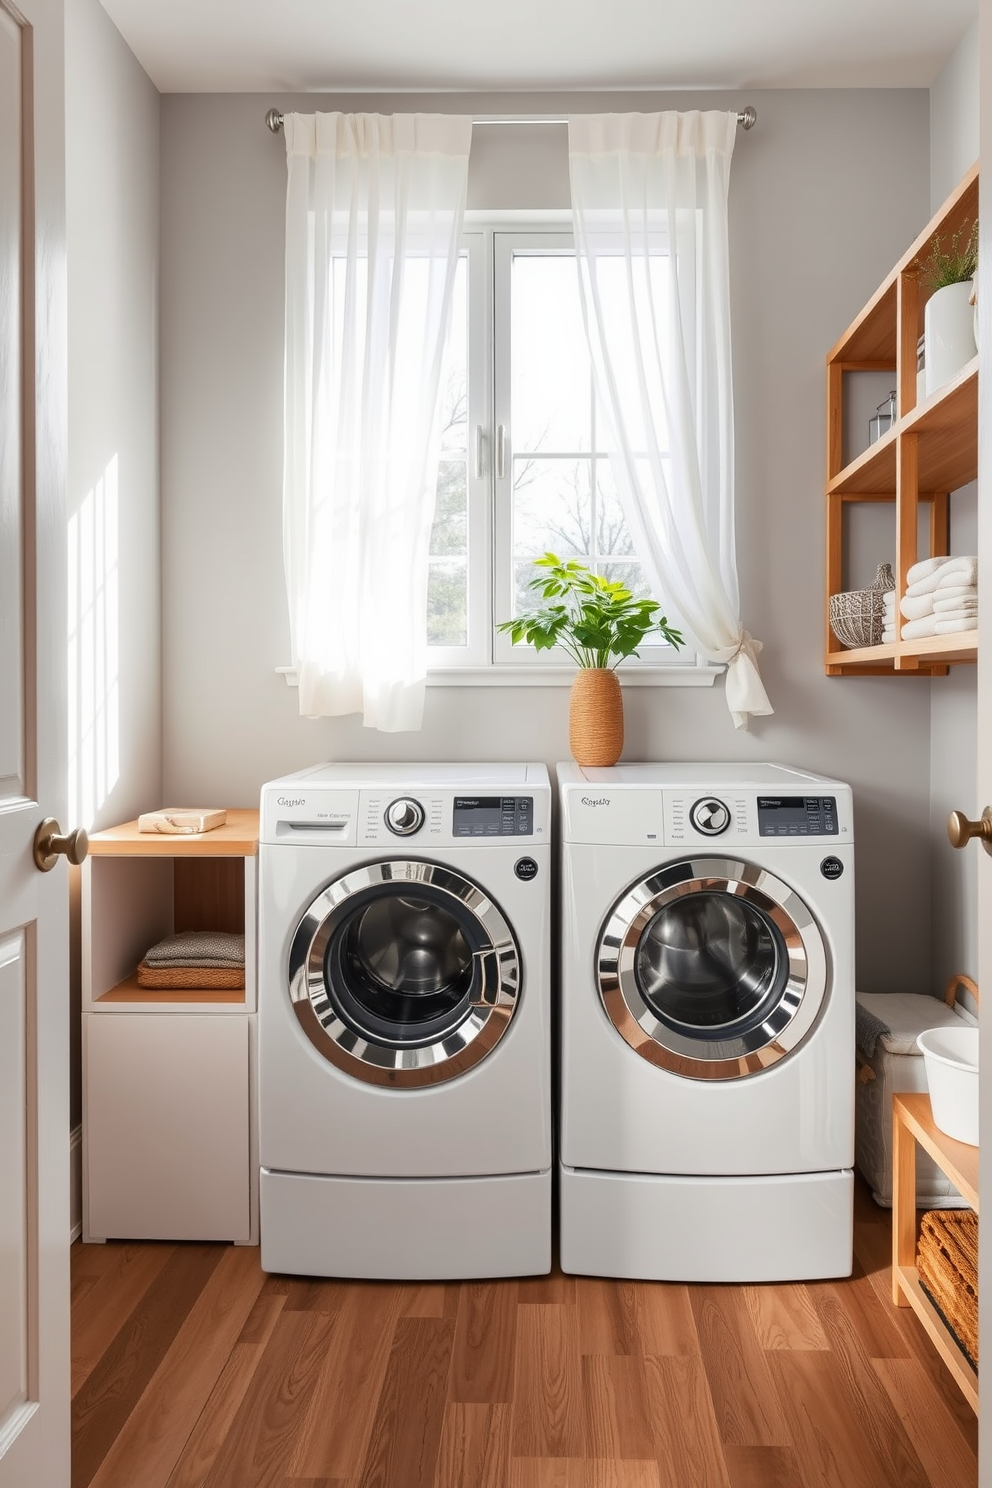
<point>237,838</point>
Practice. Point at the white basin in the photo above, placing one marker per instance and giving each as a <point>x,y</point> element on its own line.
<point>951,1059</point>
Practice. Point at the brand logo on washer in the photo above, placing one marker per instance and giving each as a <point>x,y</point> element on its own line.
<point>831,867</point>
<point>596,801</point>
<point>291,800</point>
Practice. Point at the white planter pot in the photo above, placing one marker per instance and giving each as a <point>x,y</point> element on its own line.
<point>949,330</point>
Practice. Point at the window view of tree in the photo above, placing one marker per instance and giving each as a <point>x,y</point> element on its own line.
<point>564,494</point>
<point>559,493</point>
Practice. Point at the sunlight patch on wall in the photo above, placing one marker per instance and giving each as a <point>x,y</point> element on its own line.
<point>94,649</point>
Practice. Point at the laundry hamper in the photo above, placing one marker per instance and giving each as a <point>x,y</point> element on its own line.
<point>891,1066</point>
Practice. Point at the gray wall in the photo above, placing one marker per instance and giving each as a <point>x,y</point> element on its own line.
<point>112,229</point>
<point>953,720</point>
<point>815,226</point>
<point>954,117</point>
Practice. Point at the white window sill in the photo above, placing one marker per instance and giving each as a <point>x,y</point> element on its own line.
<point>511,676</point>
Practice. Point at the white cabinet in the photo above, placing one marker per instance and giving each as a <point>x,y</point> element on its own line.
<point>169,1113</point>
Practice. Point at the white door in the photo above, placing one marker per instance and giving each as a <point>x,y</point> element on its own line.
<point>984,792</point>
<point>34,1118</point>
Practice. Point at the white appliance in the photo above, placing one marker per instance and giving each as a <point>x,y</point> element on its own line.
<point>404,1011</point>
<point>707,1020</point>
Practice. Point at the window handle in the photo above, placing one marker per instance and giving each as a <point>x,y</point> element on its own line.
<point>500,451</point>
<point>480,452</point>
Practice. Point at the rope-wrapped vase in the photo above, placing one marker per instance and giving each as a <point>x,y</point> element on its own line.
<point>595,717</point>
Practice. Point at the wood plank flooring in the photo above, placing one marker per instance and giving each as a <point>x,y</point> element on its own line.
<point>192,1369</point>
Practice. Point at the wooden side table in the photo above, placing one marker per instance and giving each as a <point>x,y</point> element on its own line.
<point>912,1122</point>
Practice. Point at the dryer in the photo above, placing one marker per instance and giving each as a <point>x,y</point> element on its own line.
<point>707,1022</point>
<point>404,1009</point>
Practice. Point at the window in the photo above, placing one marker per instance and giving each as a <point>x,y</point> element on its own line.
<point>523,465</point>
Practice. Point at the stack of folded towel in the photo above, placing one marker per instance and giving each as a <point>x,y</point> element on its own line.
<point>941,599</point>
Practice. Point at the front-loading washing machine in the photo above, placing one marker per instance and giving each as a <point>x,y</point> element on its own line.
<point>707,1023</point>
<point>404,1011</point>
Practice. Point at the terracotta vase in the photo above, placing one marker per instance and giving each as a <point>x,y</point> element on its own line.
<point>595,717</point>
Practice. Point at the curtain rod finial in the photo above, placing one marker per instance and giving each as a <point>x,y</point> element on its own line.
<point>274,120</point>
<point>748,117</point>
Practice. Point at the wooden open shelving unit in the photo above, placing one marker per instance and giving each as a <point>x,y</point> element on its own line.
<point>912,1123</point>
<point>169,1113</point>
<point>931,449</point>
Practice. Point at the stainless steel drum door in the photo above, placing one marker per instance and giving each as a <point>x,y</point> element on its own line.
<point>404,973</point>
<point>712,968</point>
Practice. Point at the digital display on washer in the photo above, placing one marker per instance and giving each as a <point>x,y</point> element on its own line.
<point>797,816</point>
<point>493,816</point>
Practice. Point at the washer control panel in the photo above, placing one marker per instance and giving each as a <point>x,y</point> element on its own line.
<point>710,816</point>
<point>797,816</point>
<point>493,816</point>
<point>404,816</point>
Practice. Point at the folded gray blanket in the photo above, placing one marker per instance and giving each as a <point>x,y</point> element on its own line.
<point>198,948</point>
<point>867,1030</point>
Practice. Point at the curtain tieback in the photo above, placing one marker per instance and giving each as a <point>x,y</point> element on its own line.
<point>746,645</point>
<point>745,691</point>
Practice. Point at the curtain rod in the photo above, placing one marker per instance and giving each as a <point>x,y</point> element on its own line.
<point>746,119</point>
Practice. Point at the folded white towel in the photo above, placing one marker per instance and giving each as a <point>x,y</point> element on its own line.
<point>914,629</point>
<point>914,607</point>
<point>959,571</point>
<point>926,576</point>
<point>888,634</point>
<point>947,626</point>
<point>967,602</point>
<point>954,594</point>
<point>889,600</point>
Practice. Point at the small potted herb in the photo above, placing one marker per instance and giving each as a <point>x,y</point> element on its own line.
<point>949,322</point>
<point>598,622</point>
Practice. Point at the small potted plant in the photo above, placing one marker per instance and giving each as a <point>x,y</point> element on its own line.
<point>949,322</point>
<point>598,622</point>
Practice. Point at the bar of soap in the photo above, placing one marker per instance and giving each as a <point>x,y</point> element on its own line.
<point>181,820</point>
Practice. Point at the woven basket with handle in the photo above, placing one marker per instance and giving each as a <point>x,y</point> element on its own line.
<point>856,616</point>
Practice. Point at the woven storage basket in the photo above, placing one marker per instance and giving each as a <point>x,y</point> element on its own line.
<point>595,717</point>
<point>192,978</point>
<point>947,1262</point>
<point>856,616</point>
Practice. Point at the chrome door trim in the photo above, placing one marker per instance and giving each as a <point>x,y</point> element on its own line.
<point>493,1003</point>
<point>789,1022</point>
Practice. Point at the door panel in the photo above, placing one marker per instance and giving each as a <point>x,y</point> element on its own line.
<point>34,1107</point>
<point>11,433</point>
<point>14,1216</point>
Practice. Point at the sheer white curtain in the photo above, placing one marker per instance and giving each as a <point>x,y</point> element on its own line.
<point>374,212</point>
<point>649,208</point>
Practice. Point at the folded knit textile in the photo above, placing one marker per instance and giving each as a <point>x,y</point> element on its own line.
<point>943,599</point>
<point>934,573</point>
<point>198,948</point>
<point>967,603</point>
<point>949,623</point>
<point>201,960</point>
<point>915,606</point>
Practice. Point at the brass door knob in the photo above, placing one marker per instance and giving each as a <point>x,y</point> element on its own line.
<point>960,830</point>
<point>49,843</point>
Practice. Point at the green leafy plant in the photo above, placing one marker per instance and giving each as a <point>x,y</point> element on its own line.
<point>597,621</point>
<point>951,263</point>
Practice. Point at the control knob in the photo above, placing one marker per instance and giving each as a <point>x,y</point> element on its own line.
<point>404,816</point>
<point>710,816</point>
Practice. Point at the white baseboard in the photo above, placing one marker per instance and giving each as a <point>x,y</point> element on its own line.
<point>76,1182</point>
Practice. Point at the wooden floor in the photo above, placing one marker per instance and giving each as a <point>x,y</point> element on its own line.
<point>191,1367</point>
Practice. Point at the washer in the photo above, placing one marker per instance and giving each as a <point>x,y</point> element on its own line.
<point>404,1009</point>
<point>707,1018</point>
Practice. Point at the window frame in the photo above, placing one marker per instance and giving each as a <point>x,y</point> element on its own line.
<point>488,660</point>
